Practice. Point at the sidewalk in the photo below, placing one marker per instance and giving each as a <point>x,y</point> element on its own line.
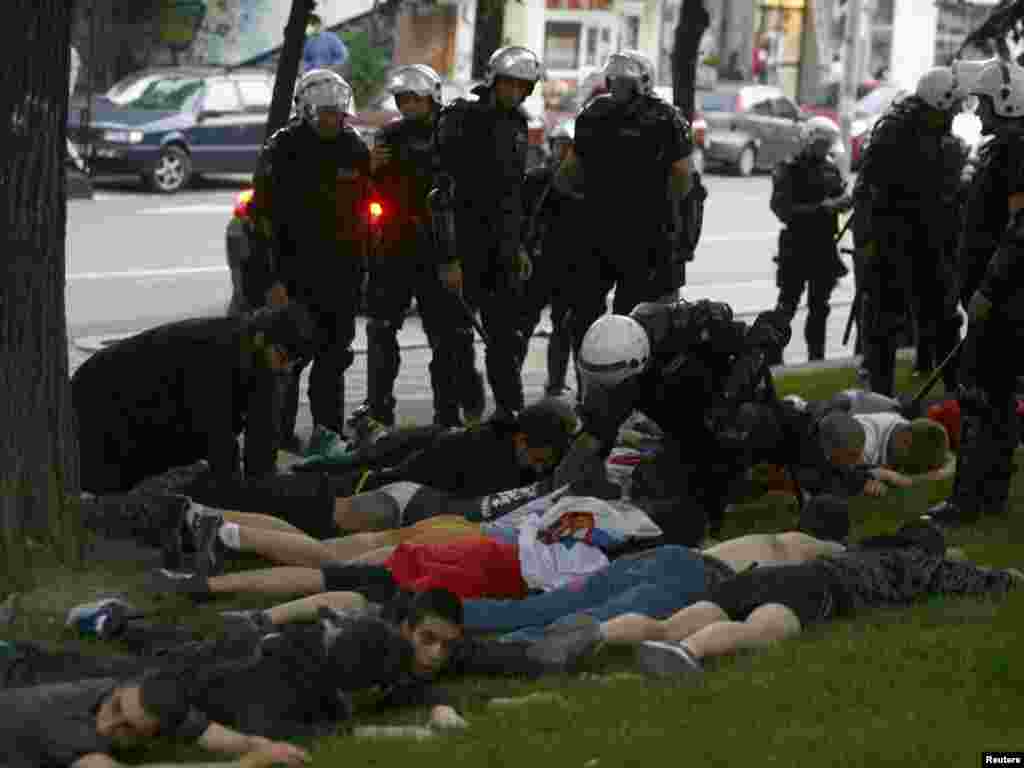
<point>746,298</point>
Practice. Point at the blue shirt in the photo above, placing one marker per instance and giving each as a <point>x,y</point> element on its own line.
<point>324,49</point>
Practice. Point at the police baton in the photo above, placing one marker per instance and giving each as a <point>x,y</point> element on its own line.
<point>477,325</point>
<point>930,384</point>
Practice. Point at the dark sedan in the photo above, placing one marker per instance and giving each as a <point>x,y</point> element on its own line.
<point>182,124</point>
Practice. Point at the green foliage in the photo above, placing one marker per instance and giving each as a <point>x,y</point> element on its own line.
<point>368,66</point>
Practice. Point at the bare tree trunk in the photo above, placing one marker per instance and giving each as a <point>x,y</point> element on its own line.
<point>288,64</point>
<point>38,455</point>
<point>693,20</point>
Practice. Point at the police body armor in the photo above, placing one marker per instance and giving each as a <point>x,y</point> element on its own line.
<point>404,183</point>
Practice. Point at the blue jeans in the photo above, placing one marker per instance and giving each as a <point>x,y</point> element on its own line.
<point>657,584</point>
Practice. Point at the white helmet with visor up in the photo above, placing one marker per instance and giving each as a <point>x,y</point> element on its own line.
<point>322,90</point>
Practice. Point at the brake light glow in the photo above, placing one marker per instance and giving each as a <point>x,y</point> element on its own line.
<point>242,204</point>
<point>376,210</point>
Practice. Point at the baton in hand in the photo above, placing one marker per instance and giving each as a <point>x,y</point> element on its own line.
<point>477,325</point>
<point>930,384</point>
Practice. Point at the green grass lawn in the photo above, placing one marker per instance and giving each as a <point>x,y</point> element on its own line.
<point>935,685</point>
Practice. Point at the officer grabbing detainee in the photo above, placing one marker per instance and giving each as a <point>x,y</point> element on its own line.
<point>630,147</point>
<point>312,194</point>
<point>405,164</point>
<point>689,367</point>
<point>808,192</point>
<point>991,257</point>
<point>483,146</point>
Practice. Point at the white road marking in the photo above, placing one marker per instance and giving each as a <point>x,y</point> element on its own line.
<point>220,209</point>
<point>147,273</point>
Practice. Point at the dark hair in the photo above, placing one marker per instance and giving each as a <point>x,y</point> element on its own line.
<point>438,603</point>
<point>924,535</point>
<point>548,423</point>
<point>314,19</point>
<point>826,517</point>
<point>292,327</point>
<point>166,699</point>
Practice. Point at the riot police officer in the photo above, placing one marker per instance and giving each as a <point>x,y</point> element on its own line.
<point>808,192</point>
<point>630,147</point>
<point>904,222</point>
<point>991,253</point>
<point>403,265</point>
<point>689,367</point>
<point>483,146</point>
<point>312,194</point>
<point>554,221</point>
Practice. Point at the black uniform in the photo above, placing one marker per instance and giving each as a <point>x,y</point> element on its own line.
<point>315,193</point>
<point>403,266</point>
<point>627,153</point>
<point>483,150</point>
<point>938,321</point>
<point>703,362</point>
<point>902,172</point>
<point>553,227</point>
<point>171,396</point>
<point>991,255</point>
<point>807,249</point>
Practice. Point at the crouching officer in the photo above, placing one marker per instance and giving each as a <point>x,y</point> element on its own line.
<point>405,164</point>
<point>629,147</point>
<point>992,288</point>
<point>689,367</point>
<point>551,239</point>
<point>312,195</point>
<point>808,192</point>
<point>479,213</point>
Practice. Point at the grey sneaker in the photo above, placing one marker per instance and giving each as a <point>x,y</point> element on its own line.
<point>205,530</point>
<point>667,660</point>
<point>565,645</point>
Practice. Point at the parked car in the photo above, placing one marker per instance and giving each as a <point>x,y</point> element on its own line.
<point>750,127</point>
<point>865,114</point>
<point>184,123</point>
<point>827,103</point>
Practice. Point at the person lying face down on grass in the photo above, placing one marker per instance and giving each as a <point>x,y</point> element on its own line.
<point>769,603</point>
<point>656,582</point>
<point>84,723</point>
<point>292,682</point>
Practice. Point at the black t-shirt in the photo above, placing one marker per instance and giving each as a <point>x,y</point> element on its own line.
<point>627,154</point>
<point>472,462</point>
<point>51,726</point>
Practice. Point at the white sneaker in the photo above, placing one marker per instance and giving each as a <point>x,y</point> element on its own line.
<point>667,660</point>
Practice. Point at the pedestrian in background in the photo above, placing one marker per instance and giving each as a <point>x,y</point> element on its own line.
<point>323,48</point>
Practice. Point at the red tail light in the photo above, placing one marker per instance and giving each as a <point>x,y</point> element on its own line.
<point>376,211</point>
<point>242,204</point>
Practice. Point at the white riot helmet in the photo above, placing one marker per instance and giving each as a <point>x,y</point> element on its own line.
<point>1003,82</point>
<point>939,89</point>
<point>416,78</point>
<point>614,349</point>
<point>818,128</point>
<point>322,89</point>
<point>632,65</point>
<point>516,62</point>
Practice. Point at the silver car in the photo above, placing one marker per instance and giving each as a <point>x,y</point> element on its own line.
<point>750,127</point>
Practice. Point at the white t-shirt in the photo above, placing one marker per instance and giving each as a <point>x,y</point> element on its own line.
<point>878,428</point>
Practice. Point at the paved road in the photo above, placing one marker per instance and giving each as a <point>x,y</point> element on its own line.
<point>136,259</point>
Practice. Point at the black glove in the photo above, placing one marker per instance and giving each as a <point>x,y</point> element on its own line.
<point>578,463</point>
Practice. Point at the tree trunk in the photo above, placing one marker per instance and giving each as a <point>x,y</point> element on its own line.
<point>288,64</point>
<point>693,20</point>
<point>38,454</point>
